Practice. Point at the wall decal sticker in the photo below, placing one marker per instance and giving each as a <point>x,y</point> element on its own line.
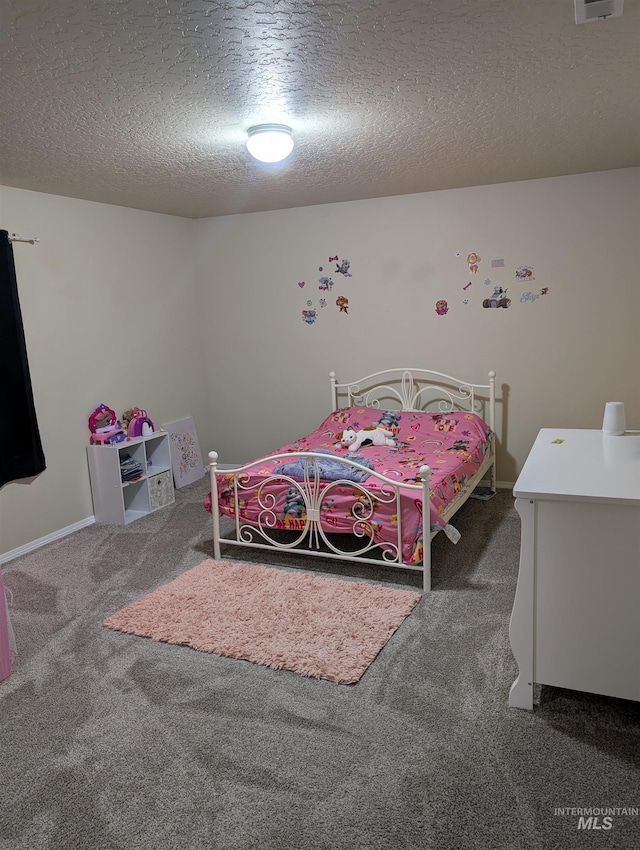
<point>457,253</point>
<point>466,301</point>
<point>442,308</point>
<point>468,285</point>
<point>325,285</point>
<point>343,268</point>
<point>529,296</point>
<point>544,290</point>
<point>498,299</point>
<point>487,282</point>
<point>524,273</point>
<point>497,264</point>
<point>473,260</point>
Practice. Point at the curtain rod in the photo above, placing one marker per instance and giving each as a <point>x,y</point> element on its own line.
<point>15,237</point>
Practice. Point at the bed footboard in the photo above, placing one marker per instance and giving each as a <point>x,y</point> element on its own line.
<point>311,533</point>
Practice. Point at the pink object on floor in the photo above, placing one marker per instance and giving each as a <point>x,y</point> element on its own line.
<point>321,627</point>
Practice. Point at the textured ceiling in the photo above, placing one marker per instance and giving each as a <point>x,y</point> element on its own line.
<point>145,103</point>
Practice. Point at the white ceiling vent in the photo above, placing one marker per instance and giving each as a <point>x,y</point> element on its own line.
<point>597,10</point>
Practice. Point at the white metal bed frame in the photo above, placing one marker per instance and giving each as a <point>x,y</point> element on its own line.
<point>409,387</point>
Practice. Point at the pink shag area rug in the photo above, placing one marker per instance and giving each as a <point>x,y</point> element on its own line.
<point>321,627</point>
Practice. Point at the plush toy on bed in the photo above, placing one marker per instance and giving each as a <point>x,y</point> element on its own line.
<point>371,436</point>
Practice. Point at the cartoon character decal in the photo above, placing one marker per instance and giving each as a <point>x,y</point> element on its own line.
<point>442,308</point>
<point>325,285</point>
<point>524,273</point>
<point>343,304</point>
<point>343,268</point>
<point>498,299</point>
<point>473,260</point>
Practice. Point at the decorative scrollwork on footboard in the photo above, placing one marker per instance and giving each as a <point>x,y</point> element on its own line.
<point>305,504</point>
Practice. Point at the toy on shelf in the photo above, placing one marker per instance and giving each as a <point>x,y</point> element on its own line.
<point>137,422</point>
<point>105,427</point>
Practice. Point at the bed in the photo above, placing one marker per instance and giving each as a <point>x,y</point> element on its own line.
<point>400,452</point>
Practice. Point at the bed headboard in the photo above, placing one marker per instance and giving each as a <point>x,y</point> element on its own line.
<point>416,389</point>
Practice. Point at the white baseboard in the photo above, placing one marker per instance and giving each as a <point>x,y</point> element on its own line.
<point>500,485</point>
<point>49,538</point>
<point>505,485</point>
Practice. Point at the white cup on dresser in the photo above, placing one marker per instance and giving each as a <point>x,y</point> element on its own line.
<point>613,424</point>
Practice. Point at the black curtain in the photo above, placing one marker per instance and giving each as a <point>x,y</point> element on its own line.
<point>21,454</point>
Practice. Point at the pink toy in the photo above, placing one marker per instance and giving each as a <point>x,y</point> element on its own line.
<point>107,438</point>
<point>105,427</point>
<point>139,424</point>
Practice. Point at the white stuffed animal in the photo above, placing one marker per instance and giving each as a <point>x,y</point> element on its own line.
<point>371,436</point>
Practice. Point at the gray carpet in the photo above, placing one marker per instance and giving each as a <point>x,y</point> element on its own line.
<point>113,742</point>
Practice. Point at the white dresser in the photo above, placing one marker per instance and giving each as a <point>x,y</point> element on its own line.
<point>576,615</point>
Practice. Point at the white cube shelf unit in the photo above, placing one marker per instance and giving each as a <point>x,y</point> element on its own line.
<point>119,502</point>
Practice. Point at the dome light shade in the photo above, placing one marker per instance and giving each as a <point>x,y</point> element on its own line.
<point>269,142</point>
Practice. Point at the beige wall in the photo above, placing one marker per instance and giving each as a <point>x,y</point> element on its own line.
<point>204,318</point>
<point>110,315</point>
<point>558,358</point>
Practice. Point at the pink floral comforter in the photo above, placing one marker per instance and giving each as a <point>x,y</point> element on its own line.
<point>453,445</point>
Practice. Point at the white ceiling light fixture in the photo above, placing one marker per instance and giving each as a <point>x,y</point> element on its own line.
<point>270,142</point>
